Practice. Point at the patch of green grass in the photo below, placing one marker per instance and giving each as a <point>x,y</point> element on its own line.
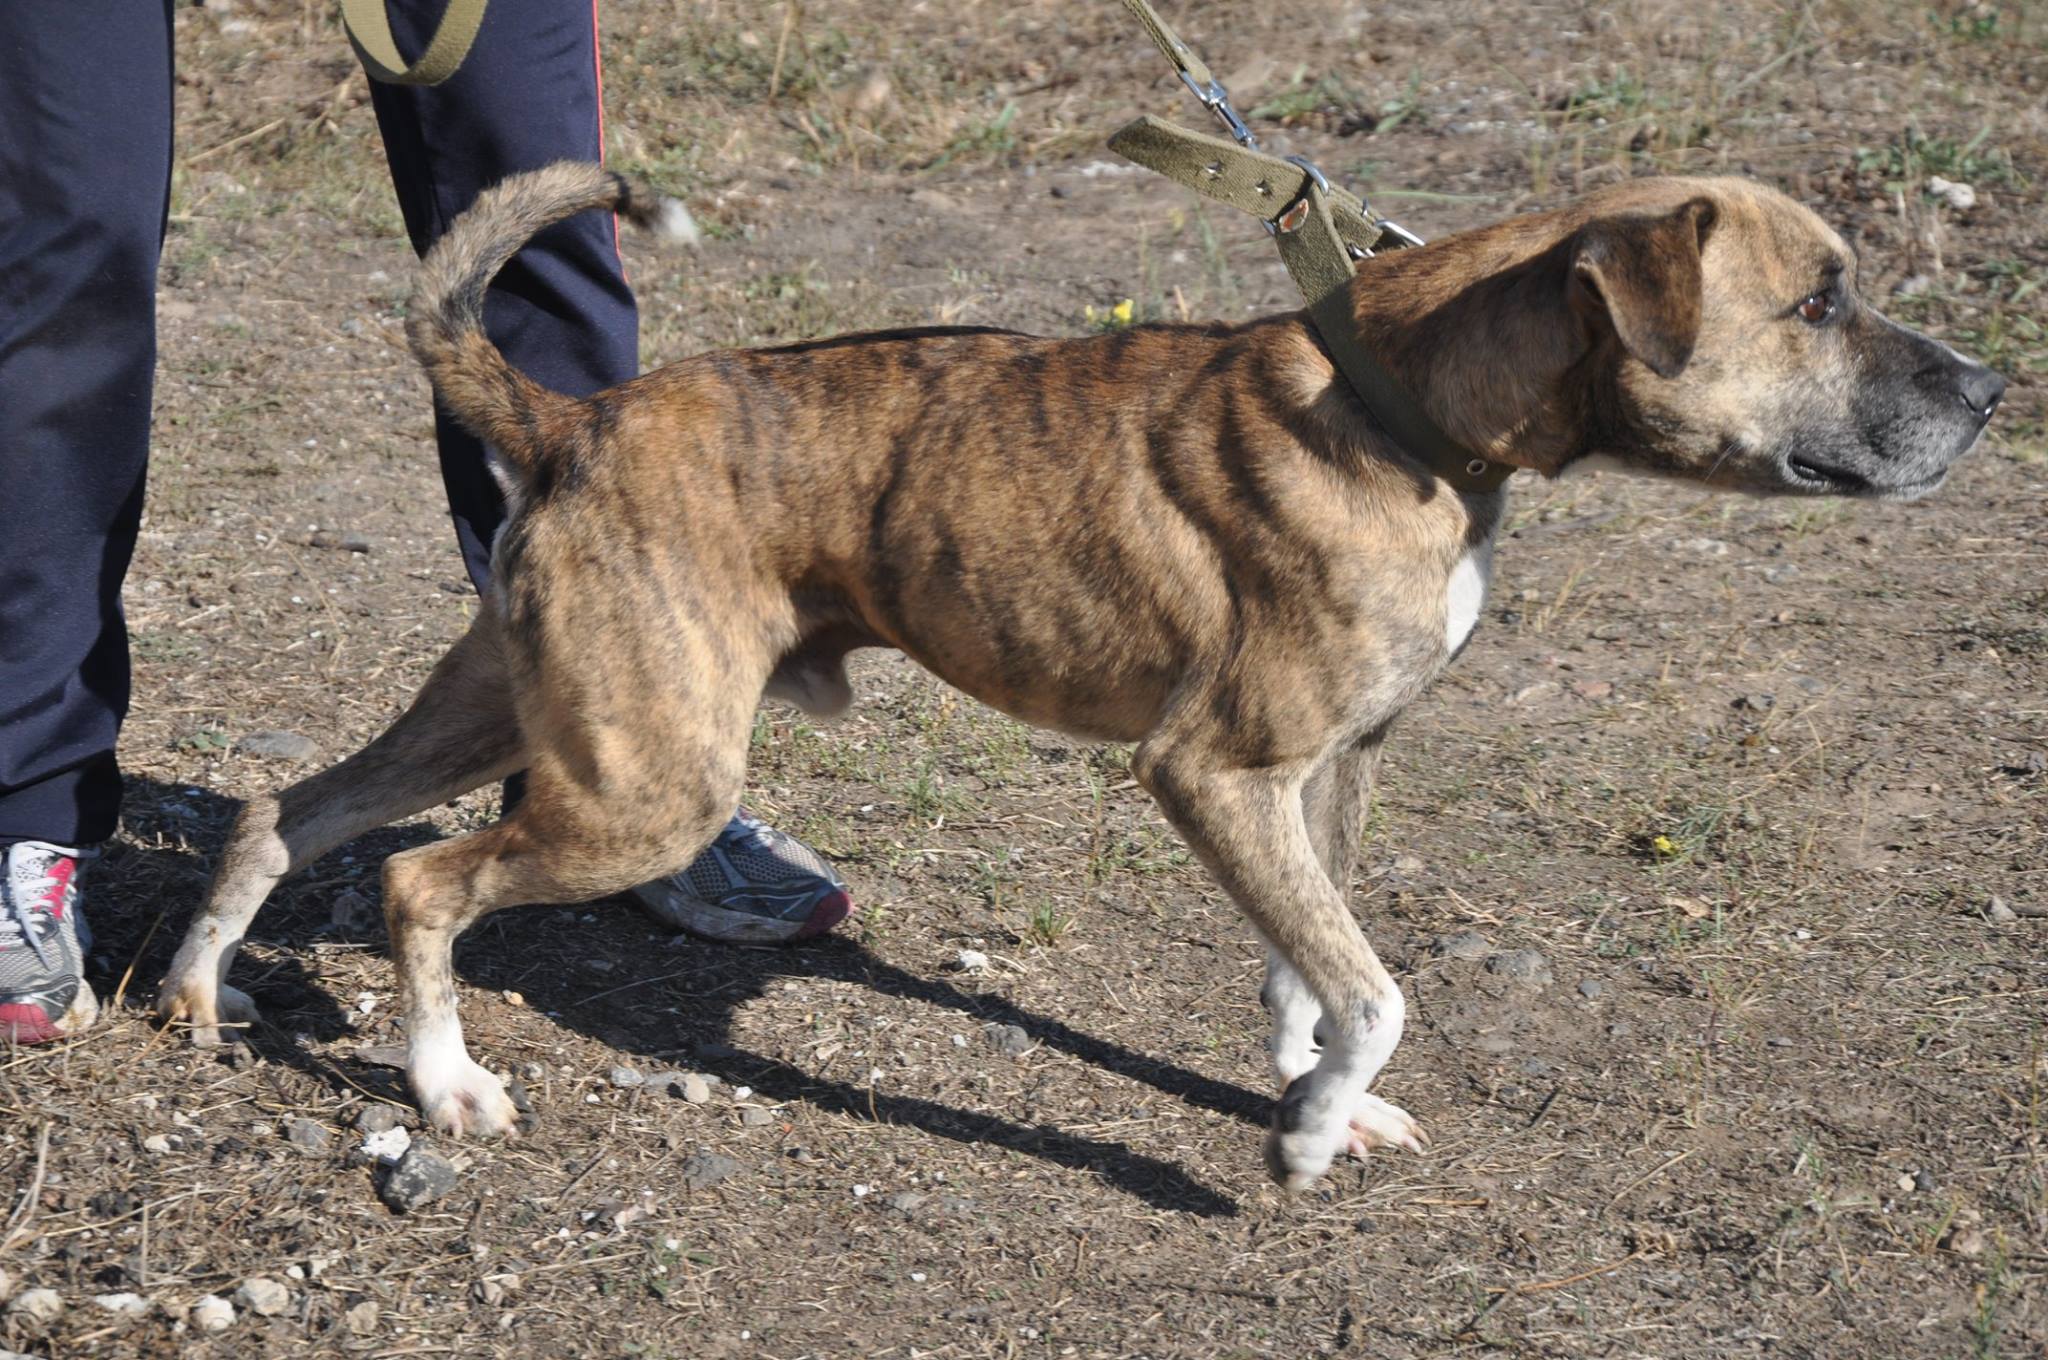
<point>1047,924</point>
<point>1908,162</point>
<point>984,139</point>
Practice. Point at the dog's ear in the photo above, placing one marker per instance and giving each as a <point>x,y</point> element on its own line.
<point>1640,276</point>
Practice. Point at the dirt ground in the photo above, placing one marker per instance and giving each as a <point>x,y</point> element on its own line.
<point>1745,776</point>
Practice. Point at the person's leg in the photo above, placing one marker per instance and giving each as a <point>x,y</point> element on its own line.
<point>530,94</point>
<point>85,145</point>
<point>562,312</point>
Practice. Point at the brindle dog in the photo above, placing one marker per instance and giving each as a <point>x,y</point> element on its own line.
<point>1193,538</point>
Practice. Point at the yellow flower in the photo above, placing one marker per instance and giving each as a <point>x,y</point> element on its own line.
<point>1121,313</point>
<point>1663,846</point>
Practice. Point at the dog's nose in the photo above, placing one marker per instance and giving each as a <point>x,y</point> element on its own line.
<point>1980,389</point>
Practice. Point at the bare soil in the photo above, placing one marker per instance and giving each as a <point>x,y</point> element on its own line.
<point>1745,774</point>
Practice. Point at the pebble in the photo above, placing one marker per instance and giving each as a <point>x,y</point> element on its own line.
<point>39,1306</point>
<point>122,1305</point>
<point>625,1078</point>
<point>419,1178</point>
<point>1009,1040</point>
<point>755,1117</point>
<point>1966,1241</point>
<point>1705,547</point>
<point>263,1296</point>
<point>1924,1182</point>
<point>1460,944</point>
<point>307,1134</point>
<point>212,1314</point>
<point>361,1319</point>
<point>703,1170</point>
<point>1591,988</point>
<point>1996,910</point>
<point>156,1143</point>
<point>906,1201</point>
<point>1959,196</point>
<point>387,1145</point>
<point>971,961</point>
<point>379,1118</point>
<point>346,542</point>
<point>278,746</point>
<point>1522,965</point>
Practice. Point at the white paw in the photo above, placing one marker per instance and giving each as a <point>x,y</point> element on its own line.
<point>1308,1134</point>
<point>459,1097</point>
<point>204,1008</point>
<point>1375,1123</point>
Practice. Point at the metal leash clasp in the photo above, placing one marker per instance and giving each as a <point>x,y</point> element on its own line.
<point>1216,99</point>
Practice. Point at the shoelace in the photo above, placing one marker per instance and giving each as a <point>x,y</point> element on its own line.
<point>21,915</point>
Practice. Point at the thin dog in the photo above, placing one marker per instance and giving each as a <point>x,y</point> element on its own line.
<point>1193,538</point>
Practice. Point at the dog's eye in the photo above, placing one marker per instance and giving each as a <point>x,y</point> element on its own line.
<point>1816,308</point>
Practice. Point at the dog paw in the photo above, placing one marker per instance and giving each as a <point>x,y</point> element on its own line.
<point>1375,1123</point>
<point>465,1099</point>
<point>1308,1135</point>
<point>204,1011</point>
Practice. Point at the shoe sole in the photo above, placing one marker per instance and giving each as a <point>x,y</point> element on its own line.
<point>711,922</point>
<point>25,1023</point>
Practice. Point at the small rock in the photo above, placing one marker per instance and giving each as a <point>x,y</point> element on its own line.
<point>1997,911</point>
<point>1592,689</point>
<point>156,1143</point>
<point>1959,196</point>
<point>1522,965</point>
<point>212,1314</point>
<point>278,746</point>
<point>694,1087</point>
<point>488,1291</point>
<point>703,1170</point>
<point>625,1078</point>
<point>971,961</point>
<point>906,1201</point>
<point>1408,865</point>
<point>1924,1182</point>
<point>1009,1040</point>
<point>1756,703</point>
<point>263,1296</point>
<point>386,1145</point>
<point>1704,547</point>
<point>345,542</point>
<point>419,1178</point>
<point>755,1117</point>
<point>361,1320</point>
<point>1460,944</point>
<point>122,1305</point>
<point>1965,1241</point>
<point>307,1134</point>
<point>40,1307</point>
<point>1591,989</point>
<point>379,1118</point>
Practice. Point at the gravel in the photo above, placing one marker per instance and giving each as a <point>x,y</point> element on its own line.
<point>278,746</point>
<point>625,1078</point>
<point>263,1296</point>
<point>703,1170</point>
<point>379,1118</point>
<point>212,1314</point>
<point>1522,965</point>
<point>308,1134</point>
<point>40,1307</point>
<point>419,1178</point>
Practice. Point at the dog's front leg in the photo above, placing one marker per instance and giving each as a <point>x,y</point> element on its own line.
<point>1248,826</point>
<point>1334,803</point>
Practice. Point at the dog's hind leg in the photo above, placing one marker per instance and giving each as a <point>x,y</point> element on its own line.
<point>459,734</point>
<point>586,829</point>
<point>1248,827</point>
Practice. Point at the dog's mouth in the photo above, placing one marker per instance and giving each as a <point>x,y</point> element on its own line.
<point>1822,479</point>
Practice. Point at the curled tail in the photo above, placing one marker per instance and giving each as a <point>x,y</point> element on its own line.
<point>498,403</point>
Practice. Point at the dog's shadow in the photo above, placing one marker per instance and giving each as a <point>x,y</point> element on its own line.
<point>545,953</point>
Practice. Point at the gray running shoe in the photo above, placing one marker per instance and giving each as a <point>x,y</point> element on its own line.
<point>753,885</point>
<point>43,939</point>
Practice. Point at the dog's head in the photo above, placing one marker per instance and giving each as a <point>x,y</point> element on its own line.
<point>1736,349</point>
<point>1708,329</point>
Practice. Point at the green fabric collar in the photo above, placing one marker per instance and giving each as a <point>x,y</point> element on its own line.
<point>1317,227</point>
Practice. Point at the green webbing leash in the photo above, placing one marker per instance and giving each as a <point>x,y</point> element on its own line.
<point>1320,230</point>
<point>369,32</point>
